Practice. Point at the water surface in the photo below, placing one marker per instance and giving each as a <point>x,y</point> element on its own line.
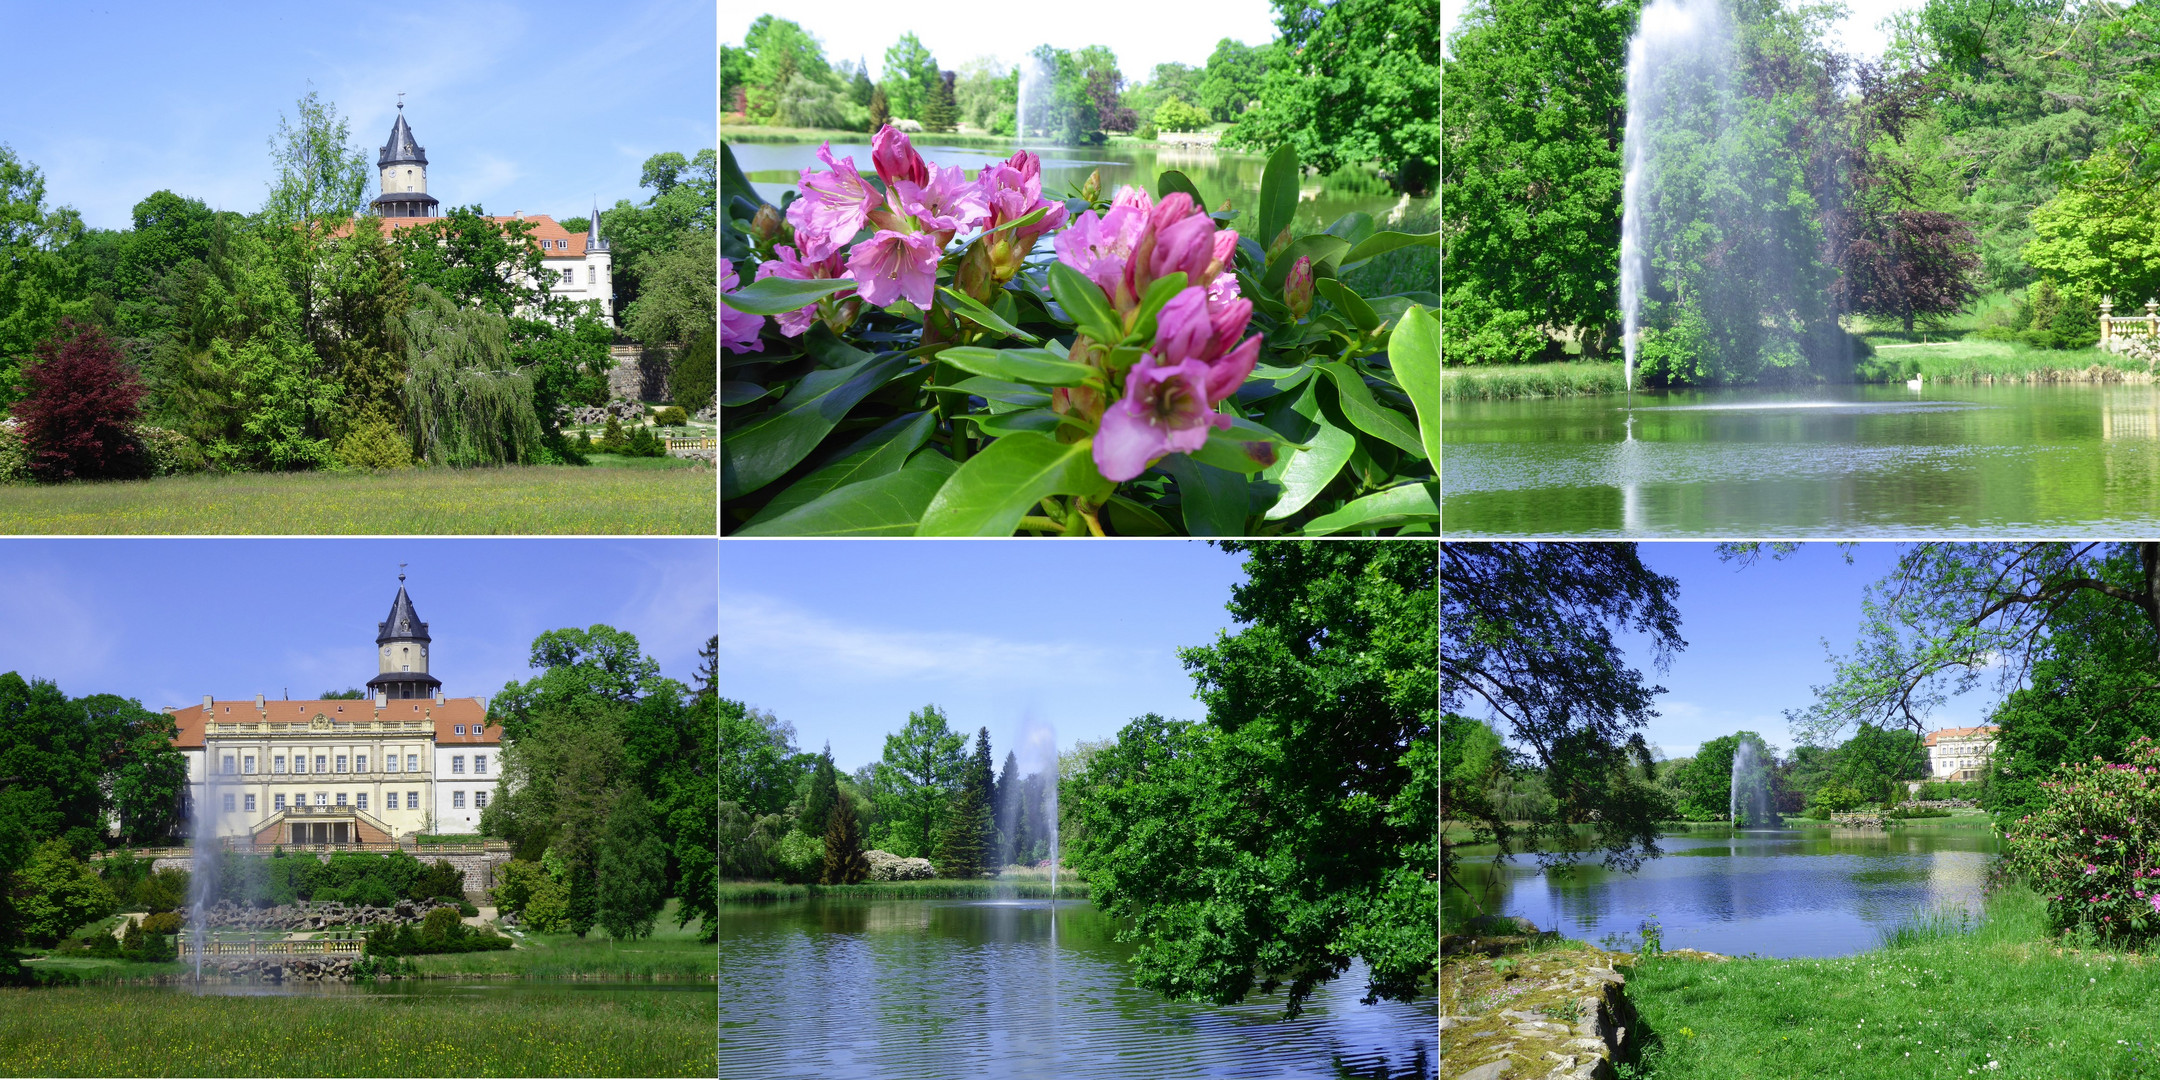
<point>1838,461</point>
<point>1773,892</point>
<point>924,989</point>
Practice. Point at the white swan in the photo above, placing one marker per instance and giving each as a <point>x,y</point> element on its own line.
<point>1913,383</point>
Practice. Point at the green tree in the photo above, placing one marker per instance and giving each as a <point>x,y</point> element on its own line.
<point>466,402</point>
<point>632,869</point>
<point>1175,115</point>
<point>844,861</point>
<point>676,297</point>
<point>32,285</point>
<point>476,261</point>
<point>779,52</point>
<point>2100,234</point>
<point>1231,81</point>
<point>54,893</point>
<point>924,763</point>
<point>824,792</point>
<point>880,110</point>
<point>987,93</point>
<point>967,847</point>
<point>939,112</point>
<point>321,184</point>
<point>1303,812</point>
<point>911,76</point>
<point>1352,81</point>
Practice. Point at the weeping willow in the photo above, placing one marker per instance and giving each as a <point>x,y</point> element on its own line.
<point>465,402</point>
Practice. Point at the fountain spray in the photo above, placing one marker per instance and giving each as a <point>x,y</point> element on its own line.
<point>204,843</point>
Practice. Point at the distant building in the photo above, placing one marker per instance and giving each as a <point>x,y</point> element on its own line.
<point>576,266</point>
<point>1959,753</point>
<point>404,760</point>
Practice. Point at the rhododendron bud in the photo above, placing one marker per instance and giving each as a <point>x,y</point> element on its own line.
<point>1093,187</point>
<point>766,224</point>
<point>1298,288</point>
<point>1280,244</point>
<point>977,275</point>
<point>1230,371</point>
<point>1229,320</point>
<point>896,159</point>
<point>1184,246</point>
<point>1183,330</point>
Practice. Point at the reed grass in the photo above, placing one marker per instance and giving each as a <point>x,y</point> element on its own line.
<point>623,499</point>
<point>144,1031</point>
<point>1028,888</point>
<point>1941,997</point>
<point>1568,379</point>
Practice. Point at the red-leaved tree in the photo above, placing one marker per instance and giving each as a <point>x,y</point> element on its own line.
<point>79,418</point>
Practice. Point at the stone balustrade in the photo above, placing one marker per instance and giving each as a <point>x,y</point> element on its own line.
<point>2118,331</point>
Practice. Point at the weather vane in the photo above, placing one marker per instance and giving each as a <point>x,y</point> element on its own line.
<point>401,100</point>
<point>401,573</point>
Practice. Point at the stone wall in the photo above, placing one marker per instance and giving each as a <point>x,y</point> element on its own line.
<point>639,374</point>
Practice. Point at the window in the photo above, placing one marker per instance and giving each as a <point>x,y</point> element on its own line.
<point>322,798</point>
<point>457,801</point>
<point>569,275</point>
<point>228,764</point>
<point>361,800</point>
<point>299,763</point>
<point>390,763</point>
<point>277,802</point>
<point>277,764</point>
<point>592,275</point>
<point>479,763</point>
<point>247,764</point>
<point>412,763</point>
<point>412,800</point>
<point>251,804</point>
<point>479,800</point>
<point>228,802</point>
<point>341,763</point>
<point>404,667</point>
<point>341,798</point>
<point>457,729</point>
<point>457,763</point>
<point>360,763</point>
<point>319,763</point>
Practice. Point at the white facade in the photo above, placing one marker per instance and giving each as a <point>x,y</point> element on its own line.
<point>466,774</point>
<point>1959,753</point>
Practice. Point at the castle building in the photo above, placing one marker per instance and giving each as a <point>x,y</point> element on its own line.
<point>1959,753</point>
<point>576,266</point>
<point>405,760</point>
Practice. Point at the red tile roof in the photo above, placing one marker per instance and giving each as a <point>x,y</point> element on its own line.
<point>1958,733</point>
<point>453,712</point>
<point>556,242</point>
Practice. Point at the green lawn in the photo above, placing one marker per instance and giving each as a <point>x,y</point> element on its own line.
<point>670,953</point>
<point>1564,379</point>
<point>1974,361</point>
<point>617,495</point>
<point>1939,1000</point>
<point>147,1031</point>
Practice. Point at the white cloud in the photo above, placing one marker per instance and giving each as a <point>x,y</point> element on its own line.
<point>767,633</point>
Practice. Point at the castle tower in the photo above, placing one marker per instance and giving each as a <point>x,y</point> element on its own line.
<point>600,267</point>
<point>401,643</point>
<point>403,166</point>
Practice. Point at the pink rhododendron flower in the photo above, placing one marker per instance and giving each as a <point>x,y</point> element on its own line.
<point>789,265</point>
<point>896,159</point>
<point>947,202</point>
<point>1165,410</point>
<point>1012,189</point>
<point>738,329</point>
<point>834,206</point>
<point>1100,247</point>
<point>1183,330</point>
<point>895,264</point>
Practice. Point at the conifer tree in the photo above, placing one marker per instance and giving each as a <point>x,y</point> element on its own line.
<point>1005,807</point>
<point>939,112</point>
<point>824,792</point>
<point>845,863</point>
<point>880,112</point>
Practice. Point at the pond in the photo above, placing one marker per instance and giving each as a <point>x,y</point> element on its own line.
<point>953,988</point>
<point>1839,461</point>
<point>1219,175</point>
<point>1773,892</point>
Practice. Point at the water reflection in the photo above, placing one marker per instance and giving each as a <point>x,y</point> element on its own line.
<point>975,989</point>
<point>1847,461</point>
<point>1777,892</point>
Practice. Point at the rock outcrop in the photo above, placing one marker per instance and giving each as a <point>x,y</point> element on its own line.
<point>886,866</point>
<point>317,916</point>
<point>1557,1013</point>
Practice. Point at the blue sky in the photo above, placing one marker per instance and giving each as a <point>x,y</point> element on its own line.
<point>1143,33</point>
<point>1755,640</point>
<point>166,621</point>
<point>1861,30</point>
<point>843,639</point>
<point>539,106</point>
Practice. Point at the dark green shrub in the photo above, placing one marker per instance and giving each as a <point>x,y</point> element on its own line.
<point>440,932</point>
<point>643,443</point>
<point>611,440</point>
<point>164,922</point>
<point>670,416</point>
<point>692,375</point>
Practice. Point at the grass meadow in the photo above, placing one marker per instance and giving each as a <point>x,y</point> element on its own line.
<point>612,496</point>
<point>148,1031</point>
<point>1940,999</point>
<point>1030,887</point>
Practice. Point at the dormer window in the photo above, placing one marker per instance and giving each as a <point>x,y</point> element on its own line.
<point>457,729</point>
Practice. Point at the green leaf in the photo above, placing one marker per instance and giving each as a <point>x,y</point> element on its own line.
<point>741,393</point>
<point>1307,472</point>
<point>1368,415</point>
<point>1349,303</point>
<point>732,180</point>
<point>1128,518</point>
<point>1213,501</point>
<point>997,390</point>
<point>1354,226</point>
<point>1402,505</point>
<point>779,295</point>
<point>972,310</point>
<point>1021,222</point>
<point>1321,248</point>
<point>887,505</point>
<point>1084,302</point>
<point>1414,354</point>
<point>764,450</point>
<point>1383,242</point>
<point>1170,180</point>
<point>1008,423</point>
<point>881,451</point>
<point>1035,366</point>
<point>1278,193</point>
<point>998,486</point>
<point>1238,451</point>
